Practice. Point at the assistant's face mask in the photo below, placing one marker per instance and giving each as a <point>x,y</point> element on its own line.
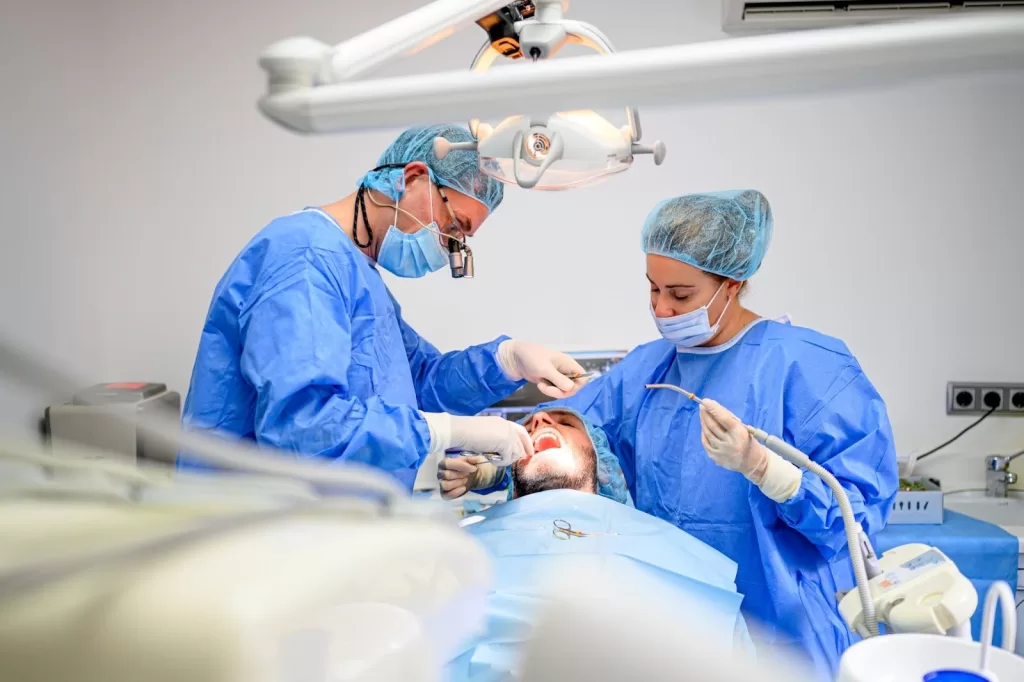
<point>691,329</point>
<point>416,254</point>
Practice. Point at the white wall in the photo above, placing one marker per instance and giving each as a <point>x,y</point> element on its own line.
<point>135,165</point>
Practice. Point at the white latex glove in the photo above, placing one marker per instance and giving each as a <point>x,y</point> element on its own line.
<point>730,446</point>
<point>479,435</point>
<point>458,475</point>
<point>549,369</point>
<point>727,440</point>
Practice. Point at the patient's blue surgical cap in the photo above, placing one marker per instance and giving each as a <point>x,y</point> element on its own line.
<point>725,233</point>
<point>611,482</point>
<point>459,170</point>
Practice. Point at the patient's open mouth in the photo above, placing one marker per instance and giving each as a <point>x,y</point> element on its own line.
<point>546,439</point>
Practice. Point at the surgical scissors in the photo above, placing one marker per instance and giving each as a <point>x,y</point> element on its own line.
<point>563,531</point>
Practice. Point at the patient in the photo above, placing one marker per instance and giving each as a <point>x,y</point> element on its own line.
<point>564,457</point>
<point>575,478</point>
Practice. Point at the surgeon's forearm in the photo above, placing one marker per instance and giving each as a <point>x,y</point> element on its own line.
<point>395,438</point>
<point>463,382</point>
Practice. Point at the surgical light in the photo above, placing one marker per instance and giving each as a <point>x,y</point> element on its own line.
<point>545,150</point>
<point>557,151</point>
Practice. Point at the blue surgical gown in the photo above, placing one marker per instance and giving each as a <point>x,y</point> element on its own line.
<point>792,382</point>
<point>304,349</point>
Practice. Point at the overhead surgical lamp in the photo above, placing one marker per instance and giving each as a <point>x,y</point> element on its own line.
<point>536,151</point>
<point>563,150</point>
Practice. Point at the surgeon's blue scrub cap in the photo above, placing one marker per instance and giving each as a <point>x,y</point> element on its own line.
<point>460,169</point>
<point>725,233</point>
<point>611,482</point>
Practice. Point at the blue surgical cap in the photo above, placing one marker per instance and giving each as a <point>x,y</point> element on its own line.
<point>725,233</point>
<point>459,170</point>
<point>611,482</point>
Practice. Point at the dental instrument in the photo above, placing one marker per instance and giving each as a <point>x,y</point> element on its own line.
<point>495,459</point>
<point>677,389</point>
<point>578,376</point>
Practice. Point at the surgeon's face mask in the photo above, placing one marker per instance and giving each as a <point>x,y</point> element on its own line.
<point>691,329</point>
<point>416,254</point>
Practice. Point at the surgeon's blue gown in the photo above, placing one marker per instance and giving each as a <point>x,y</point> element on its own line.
<point>305,349</point>
<point>792,382</point>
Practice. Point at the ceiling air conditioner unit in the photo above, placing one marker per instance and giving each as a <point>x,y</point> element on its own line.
<point>765,16</point>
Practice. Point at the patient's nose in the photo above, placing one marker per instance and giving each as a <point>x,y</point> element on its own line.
<point>540,420</point>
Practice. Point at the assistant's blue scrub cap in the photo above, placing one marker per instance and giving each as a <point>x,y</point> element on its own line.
<point>460,169</point>
<point>724,233</point>
<point>611,482</point>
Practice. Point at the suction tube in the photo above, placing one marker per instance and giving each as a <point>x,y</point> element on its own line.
<point>852,527</point>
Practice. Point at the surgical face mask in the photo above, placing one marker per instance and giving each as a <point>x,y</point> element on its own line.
<point>691,329</point>
<point>416,254</point>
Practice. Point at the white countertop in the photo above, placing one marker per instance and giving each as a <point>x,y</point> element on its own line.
<point>1005,512</point>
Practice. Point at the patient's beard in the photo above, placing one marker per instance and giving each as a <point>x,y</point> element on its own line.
<point>583,480</point>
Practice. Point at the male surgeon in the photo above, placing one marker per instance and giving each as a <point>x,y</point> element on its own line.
<point>304,348</point>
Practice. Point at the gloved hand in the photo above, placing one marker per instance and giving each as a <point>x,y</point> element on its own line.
<point>730,446</point>
<point>483,435</point>
<point>547,368</point>
<point>727,440</point>
<point>458,475</point>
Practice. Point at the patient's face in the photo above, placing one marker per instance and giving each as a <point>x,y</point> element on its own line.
<point>564,457</point>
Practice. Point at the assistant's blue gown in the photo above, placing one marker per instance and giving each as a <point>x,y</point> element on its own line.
<point>794,383</point>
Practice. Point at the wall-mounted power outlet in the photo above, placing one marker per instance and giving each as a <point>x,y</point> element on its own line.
<point>979,397</point>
